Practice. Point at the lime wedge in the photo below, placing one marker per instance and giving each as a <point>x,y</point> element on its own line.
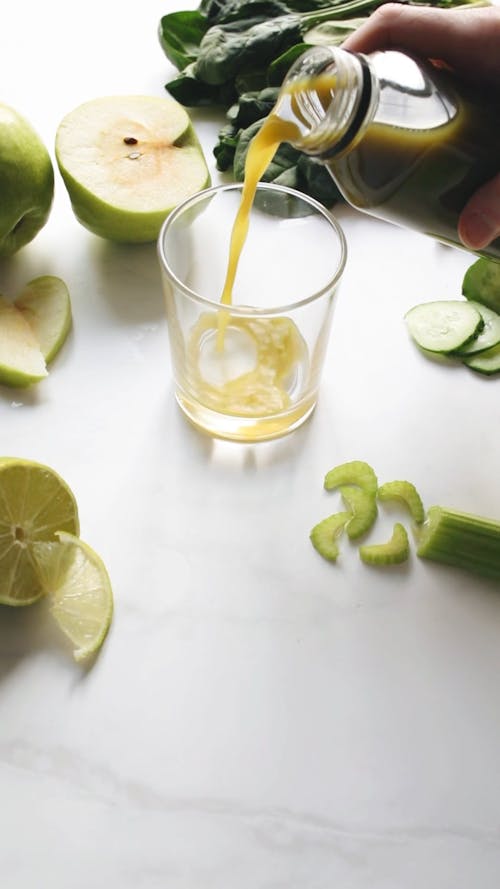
<point>45,304</point>
<point>77,583</point>
<point>35,502</point>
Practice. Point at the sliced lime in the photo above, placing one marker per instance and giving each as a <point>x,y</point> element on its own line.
<point>77,583</point>
<point>35,502</point>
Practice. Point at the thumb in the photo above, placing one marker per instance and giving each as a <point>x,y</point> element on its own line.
<point>479,222</point>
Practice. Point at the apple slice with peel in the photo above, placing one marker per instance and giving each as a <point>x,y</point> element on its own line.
<point>45,304</point>
<point>21,361</point>
<point>127,161</point>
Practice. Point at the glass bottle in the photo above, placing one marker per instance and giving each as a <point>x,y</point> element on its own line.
<point>405,140</point>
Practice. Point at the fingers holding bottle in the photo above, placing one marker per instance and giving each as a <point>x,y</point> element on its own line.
<point>479,222</point>
<point>467,39</point>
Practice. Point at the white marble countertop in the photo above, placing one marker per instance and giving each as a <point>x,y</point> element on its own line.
<point>257,718</point>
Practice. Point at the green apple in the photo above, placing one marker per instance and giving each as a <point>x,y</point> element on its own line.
<point>45,304</point>
<point>26,182</point>
<point>21,361</point>
<point>127,161</point>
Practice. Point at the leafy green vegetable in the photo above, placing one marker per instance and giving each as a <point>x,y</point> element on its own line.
<point>220,11</point>
<point>228,50</point>
<point>331,33</point>
<point>253,106</point>
<point>240,45</point>
<point>278,69</point>
<point>226,146</point>
<point>189,91</point>
<point>315,180</point>
<point>237,10</point>
<point>180,36</point>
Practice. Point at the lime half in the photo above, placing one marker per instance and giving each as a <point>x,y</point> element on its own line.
<point>74,578</point>
<point>35,503</point>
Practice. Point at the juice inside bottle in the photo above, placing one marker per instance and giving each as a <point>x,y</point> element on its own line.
<point>414,145</point>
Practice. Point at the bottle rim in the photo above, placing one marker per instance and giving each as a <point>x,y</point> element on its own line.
<point>326,130</point>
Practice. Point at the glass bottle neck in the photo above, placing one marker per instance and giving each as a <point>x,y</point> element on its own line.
<point>329,95</point>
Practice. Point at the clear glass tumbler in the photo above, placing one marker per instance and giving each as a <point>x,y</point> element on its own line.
<point>251,370</point>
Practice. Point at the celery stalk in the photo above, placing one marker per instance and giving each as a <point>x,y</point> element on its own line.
<point>463,540</point>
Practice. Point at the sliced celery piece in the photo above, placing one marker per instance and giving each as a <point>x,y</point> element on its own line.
<point>395,551</point>
<point>407,493</point>
<point>461,539</point>
<point>363,506</point>
<point>356,472</point>
<point>324,535</point>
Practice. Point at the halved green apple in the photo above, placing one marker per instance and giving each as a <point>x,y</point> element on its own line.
<point>127,161</point>
<point>45,304</point>
<point>21,361</point>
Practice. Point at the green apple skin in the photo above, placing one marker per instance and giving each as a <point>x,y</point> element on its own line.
<point>114,223</point>
<point>21,361</point>
<point>45,304</point>
<point>26,182</point>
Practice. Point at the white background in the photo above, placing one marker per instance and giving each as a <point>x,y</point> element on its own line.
<point>257,717</point>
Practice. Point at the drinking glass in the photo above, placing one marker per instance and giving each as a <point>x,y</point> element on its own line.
<point>250,370</point>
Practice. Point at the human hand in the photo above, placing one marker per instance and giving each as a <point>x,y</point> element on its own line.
<point>467,40</point>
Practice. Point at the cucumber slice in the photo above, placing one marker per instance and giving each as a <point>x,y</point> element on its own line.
<point>488,337</point>
<point>394,552</point>
<point>324,535</point>
<point>363,506</point>
<point>443,326</point>
<point>408,494</point>
<point>486,363</point>
<point>482,283</point>
<point>356,472</point>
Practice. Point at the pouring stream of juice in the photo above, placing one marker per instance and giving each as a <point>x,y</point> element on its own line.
<point>277,128</point>
<point>261,151</point>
